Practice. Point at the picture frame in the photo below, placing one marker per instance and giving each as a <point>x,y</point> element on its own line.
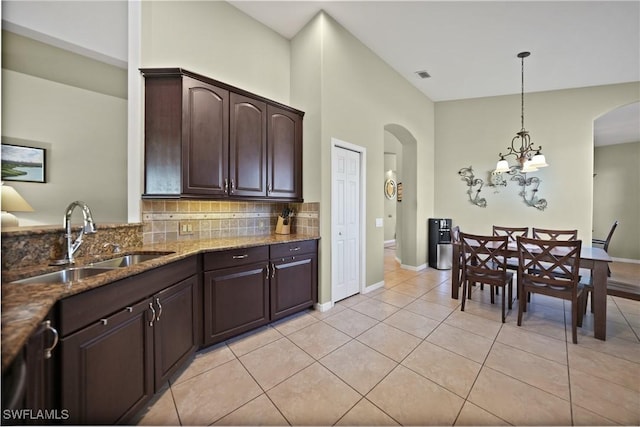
<point>390,189</point>
<point>23,163</point>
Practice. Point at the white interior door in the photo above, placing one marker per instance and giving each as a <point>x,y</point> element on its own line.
<point>345,224</point>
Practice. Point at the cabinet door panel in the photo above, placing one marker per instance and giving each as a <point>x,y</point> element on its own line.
<point>174,328</point>
<point>106,368</point>
<point>248,147</point>
<point>235,300</point>
<point>293,285</point>
<point>285,153</point>
<point>205,138</point>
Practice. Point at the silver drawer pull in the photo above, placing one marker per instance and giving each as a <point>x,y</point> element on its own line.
<point>296,249</point>
<point>240,256</point>
<point>159,309</point>
<point>104,321</point>
<point>48,350</point>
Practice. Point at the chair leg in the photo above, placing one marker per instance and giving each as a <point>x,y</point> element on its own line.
<point>503,304</point>
<point>464,293</point>
<point>522,304</point>
<point>511,294</point>
<point>493,299</point>
<point>574,321</point>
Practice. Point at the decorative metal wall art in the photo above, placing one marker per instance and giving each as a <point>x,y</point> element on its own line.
<point>473,182</point>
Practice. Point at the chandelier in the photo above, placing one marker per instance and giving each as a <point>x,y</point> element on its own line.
<point>529,158</point>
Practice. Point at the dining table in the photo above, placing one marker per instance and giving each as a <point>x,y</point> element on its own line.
<point>592,258</point>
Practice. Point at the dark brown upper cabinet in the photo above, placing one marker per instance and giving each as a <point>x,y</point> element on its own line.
<point>207,139</point>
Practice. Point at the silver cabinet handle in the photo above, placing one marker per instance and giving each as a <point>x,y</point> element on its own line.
<point>226,185</point>
<point>153,312</point>
<point>269,189</point>
<point>159,309</point>
<point>296,249</point>
<point>48,327</point>
<point>233,187</point>
<point>267,270</point>
<point>273,271</point>
<point>241,256</point>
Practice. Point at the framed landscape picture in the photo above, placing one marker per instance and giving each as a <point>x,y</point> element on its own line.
<point>20,163</point>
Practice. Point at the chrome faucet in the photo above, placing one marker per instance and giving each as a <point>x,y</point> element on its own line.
<point>88,227</point>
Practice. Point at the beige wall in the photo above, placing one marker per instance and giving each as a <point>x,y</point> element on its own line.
<point>356,96</point>
<point>616,195</point>
<point>215,39</point>
<point>76,108</point>
<point>473,132</point>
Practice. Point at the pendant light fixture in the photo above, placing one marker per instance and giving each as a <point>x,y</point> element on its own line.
<point>529,158</point>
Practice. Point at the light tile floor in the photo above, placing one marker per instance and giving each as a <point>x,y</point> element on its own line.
<point>406,355</point>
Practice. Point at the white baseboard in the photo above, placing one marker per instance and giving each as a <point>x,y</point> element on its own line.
<point>388,243</point>
<point>373,287</point>
<point>324,307</point>
<point>630,261</point>
<point>413,268</point>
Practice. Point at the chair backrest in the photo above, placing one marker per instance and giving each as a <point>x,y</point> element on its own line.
<point>608,240</point>
<point>484,258</point>
<point>511,232</point>
<point>548,234</point>
<point>552,264</point>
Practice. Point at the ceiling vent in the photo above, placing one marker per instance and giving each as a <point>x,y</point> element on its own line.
<point>423,74</point>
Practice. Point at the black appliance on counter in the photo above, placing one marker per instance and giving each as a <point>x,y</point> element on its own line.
<point>440,249</point>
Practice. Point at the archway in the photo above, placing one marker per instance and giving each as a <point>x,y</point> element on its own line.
<point>400,141</point>
<point>616,180</point>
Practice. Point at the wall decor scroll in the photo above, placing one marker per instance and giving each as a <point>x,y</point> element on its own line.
<point>475,186</point>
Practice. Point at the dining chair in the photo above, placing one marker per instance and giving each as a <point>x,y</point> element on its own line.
<point>455,239</point>
<point>512,233</point>
<point>605,245</point>
<point>483,261</point>
<point>540,262</point>
<point>549,234</point>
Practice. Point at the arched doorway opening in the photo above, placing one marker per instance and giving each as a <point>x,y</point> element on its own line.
<point>616,180</point>
<point>399,141</point>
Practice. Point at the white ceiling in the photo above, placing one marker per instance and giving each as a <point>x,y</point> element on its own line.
<point>468,47</point>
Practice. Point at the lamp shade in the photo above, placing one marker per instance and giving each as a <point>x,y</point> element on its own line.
<point>528,166</point>
<point>539,161</point>
<point>502,166</point>
<point>12,202</point>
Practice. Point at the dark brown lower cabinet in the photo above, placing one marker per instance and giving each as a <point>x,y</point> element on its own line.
<point>236,300</point>
<point>174,333</point>
<point>107,368</point>
<point>112,365</point>
<point>293,277</point>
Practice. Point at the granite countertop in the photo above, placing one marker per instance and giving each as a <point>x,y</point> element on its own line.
<point>24,306</point>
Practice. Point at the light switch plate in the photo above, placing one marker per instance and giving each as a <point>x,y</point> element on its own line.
<point>379,223</point>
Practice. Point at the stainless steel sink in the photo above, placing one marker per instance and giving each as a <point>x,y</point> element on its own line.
<point>67,275</point>
<point>128,260</point>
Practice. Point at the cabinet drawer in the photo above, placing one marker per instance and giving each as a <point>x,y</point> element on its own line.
<point>235,257</point>
<point>284,250</point>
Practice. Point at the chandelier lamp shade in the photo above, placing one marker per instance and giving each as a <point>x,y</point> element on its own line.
<point>528,157</point>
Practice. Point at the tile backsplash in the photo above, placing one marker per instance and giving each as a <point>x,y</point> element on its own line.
<point>170,220</point>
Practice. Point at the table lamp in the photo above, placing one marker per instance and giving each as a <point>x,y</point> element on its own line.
<point>12,202</point>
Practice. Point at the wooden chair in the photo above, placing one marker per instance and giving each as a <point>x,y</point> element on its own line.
<point>455,239</point>
<point>605,243</point>
<point>548,234</point>
<point>611,290</point>
<point>540,261</point>
<point>512,233</point>
<point>483,261</point>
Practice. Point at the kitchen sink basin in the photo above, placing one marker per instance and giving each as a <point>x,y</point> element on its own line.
<point>67,275</point>
<point>128,260</point>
